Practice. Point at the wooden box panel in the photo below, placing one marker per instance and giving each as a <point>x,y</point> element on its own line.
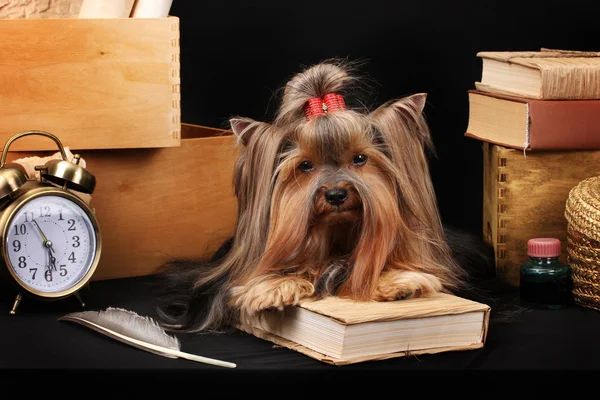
<point>156,204</point>
<point>525,197</point>
<point>95,83</point>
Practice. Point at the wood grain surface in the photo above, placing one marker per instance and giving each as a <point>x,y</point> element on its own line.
<point>156,204</point>
<point>96,83</point>
<point>525,197</point>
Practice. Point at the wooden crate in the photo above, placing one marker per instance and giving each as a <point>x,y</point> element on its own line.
<point>96,83</point>
<point>156,204</point>
<point>525,197</point>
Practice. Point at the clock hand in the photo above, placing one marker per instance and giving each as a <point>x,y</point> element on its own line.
<point>41,231</point>
<point>48,244</point>
<point>48,267</point>
<point>52,259</point>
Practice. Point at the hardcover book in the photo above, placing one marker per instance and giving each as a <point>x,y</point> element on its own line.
<point>340,331</point>
<point>534,125</point>
<point>525,197</point>
<point>546,74</point>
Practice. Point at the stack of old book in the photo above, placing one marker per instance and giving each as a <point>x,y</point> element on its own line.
<point>537,114</point>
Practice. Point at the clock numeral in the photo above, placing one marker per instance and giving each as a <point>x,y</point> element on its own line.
<point>63,270</point>
<point>60,217</point>
<point>72,257</point>
<point>20,229</point>
<point>44,211</point>
<point>34,270</point>
<point>17,246</point>
<point>76,241</point>
<point>27,214</point>
<point>71,224</point>
<point>22,263</point>
<point>48,275</point>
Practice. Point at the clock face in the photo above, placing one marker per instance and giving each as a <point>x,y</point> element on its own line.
<point>50,243</point>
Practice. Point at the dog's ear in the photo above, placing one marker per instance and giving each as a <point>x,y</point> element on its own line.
<point>417,101</point>
<point>404,132</point>
<point>404,121</point>
<point>245,128</point>
<point>411,107</point>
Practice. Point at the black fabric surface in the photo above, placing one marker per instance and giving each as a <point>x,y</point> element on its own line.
<point>33,340</point>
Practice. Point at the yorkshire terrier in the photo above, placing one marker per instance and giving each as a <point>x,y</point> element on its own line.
<point>332,201</point>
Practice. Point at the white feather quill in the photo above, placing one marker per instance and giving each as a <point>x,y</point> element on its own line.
<point>138,331</point>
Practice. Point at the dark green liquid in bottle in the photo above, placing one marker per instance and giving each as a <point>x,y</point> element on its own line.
<point>545,283</point>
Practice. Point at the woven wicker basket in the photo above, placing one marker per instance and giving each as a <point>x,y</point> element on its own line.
<point>582,212</point>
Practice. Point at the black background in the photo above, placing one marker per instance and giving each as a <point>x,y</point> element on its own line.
<point>236,54</point>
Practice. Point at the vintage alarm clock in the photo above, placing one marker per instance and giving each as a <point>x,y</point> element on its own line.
<point>49,237</point>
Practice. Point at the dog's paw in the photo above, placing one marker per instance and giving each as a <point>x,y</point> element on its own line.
<point>273,294</point>
<point>398,284</point>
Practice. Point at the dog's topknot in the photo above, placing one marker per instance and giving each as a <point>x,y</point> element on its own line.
<point>333,76</point>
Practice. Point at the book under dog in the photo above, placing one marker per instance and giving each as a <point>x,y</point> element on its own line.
<point>341,331</point>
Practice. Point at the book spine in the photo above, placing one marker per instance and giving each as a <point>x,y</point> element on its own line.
<point>570,81</point>
<point>564,124</point>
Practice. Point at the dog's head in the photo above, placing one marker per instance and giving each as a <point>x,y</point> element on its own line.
<point>326,182</point>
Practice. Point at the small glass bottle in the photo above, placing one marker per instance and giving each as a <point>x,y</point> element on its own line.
<point>545,282</point>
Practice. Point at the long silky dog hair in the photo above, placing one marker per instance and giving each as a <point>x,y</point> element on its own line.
<point>332,200</point>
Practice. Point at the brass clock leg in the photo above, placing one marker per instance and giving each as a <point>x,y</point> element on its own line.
<point>80,299</point>
<point>16,304</point>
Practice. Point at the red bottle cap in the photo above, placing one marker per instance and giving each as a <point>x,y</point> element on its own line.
<point>543,247</point>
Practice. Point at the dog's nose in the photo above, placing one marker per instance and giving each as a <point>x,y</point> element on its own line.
<point>336,196</point>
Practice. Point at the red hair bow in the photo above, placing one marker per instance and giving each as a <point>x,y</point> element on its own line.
<point>318,106</point>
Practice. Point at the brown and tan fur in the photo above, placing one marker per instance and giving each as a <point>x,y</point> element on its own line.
<point>384,242</point>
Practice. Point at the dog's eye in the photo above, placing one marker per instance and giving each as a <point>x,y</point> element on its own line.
<point>359,159</point>
<point>306,166</point>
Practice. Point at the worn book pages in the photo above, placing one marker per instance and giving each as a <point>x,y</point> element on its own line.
<point>546,74</point>
<point>341,331</point>
<point>350,312</point>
